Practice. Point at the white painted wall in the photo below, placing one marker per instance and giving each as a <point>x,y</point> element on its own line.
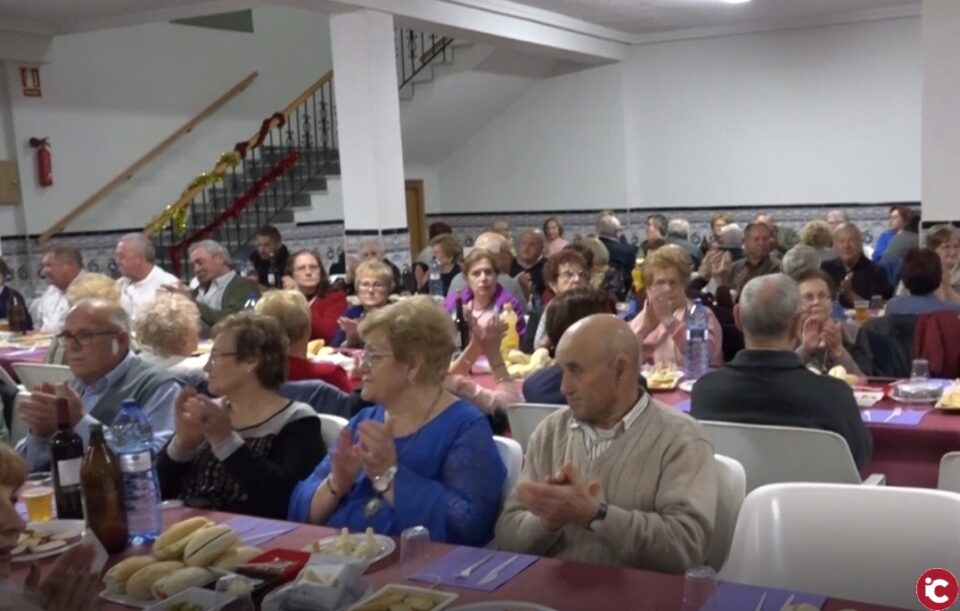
<point>829,114</point>
<point>941,99</point>
<point>560,146</point>
<point>110,95</point>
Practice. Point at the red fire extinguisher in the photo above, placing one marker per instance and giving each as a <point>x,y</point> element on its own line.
<point>44,161</point>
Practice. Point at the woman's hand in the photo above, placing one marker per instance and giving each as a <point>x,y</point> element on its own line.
<point>723,269</point>
<point>832,339</point>
<point>212,419</point>
<point>349,326</point>
<point>488,335</point>
<point>187,427</point>
<point>289,283</point>
<point>376,448</point>
<point>345,462</point>
<point>69,585</point>
<point>810,334</point>
<point>421,275</point>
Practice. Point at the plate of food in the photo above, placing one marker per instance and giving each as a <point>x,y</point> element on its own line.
<point>395,596</point>
<point>950,398</point>
<point>662,378</point>
<point>502,605</point>
<point>46,539</point>
<point>687,386</point>
<point>194,599</point>
<point>840,372</point>
<point>867,396</point>
<point>365,545</point>
<point>918,391</point>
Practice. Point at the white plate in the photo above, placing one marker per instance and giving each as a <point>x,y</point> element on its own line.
<point>53,526</point>
<point>208,600</point>
<point>127,601</point>
<point>942,383</point>
<point>687,386</point>
<point>867,398</point>
<point>387,545</point>
<point>502,605</point>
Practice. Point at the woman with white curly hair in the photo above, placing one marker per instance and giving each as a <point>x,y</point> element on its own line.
<point>168,331</point>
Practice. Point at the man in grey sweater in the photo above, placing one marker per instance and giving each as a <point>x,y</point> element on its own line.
<point>619,478</point>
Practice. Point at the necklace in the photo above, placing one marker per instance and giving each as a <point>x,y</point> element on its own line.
<point>374,505</point>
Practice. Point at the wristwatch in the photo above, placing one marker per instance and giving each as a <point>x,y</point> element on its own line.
<point>597,520</point>
<point>382,482</point>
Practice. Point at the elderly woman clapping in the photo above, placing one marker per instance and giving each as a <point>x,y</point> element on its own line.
<point>419,456</point>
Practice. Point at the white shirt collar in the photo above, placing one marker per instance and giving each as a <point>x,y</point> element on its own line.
<point>625,423</point>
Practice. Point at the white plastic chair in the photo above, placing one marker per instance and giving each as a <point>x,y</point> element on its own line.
<point>949,478</point>
<point>775,454</point>
<point>7,379</point>
<point>524,418</point>
<point>35,374</point>
<point>18,428</point>
<point>865,543</point>
<point>512,456</point>
<point>330,427</point>
<point>731,490</point>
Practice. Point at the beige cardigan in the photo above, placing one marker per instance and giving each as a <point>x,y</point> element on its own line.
<point>658,478</point>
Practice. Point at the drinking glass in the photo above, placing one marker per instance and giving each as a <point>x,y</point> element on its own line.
<point>699,586</point>
<point>876,303</point>
<point>920,369</point>
<point>414,544</point>
<point>39,502</point>
<point>861,311</point>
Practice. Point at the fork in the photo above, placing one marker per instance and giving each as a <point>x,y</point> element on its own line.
<point>896,412</point>
<point>496,570</point>
<point>788,603</point>
<point>465,573</point>
<point>763,599</point>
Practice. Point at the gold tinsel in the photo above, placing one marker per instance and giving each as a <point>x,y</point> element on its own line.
<point>178,217</point>
<point>230,158</point>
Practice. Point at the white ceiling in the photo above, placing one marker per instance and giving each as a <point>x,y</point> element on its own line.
<point>60,16</point>
<point>654,16</point>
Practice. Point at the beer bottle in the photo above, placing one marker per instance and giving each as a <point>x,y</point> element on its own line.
<point>102,493</point>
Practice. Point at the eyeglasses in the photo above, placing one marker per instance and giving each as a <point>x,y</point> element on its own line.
<point>569,275</point>
<point>368,358</point>
<point>372,286</point>
<point>215,356</point>
<point>81,338</point>
<point>815,297</point>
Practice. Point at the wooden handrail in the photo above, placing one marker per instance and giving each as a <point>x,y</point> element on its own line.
<point>222,166</point>
<point>152,154</point>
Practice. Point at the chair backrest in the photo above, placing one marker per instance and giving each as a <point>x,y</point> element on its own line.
<point>6,379</point>
<point>18,428</point>
<point>774,454</point>
<point>524,418</point>
<point>35,374</point>
<point>322,397</point>
<point>949,478</point>
<point>866,543</point>
<point>330,427</point>
<point>512,456</point>
<point>731,490</point>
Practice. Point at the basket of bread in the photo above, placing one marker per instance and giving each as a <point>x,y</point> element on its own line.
<point>840,372</point>
<point>187,554</point>
<point>950,399</point>
<point>520,364</point>
<point>663,377</point>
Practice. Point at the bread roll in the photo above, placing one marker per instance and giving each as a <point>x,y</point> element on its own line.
<point>116,578</point>
<point>209,544</point>
<point>139,585</point>
<point>236,556</point>
<point>180,580</point>
<point>172,541</point>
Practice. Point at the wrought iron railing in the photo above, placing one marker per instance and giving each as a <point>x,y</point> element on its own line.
<point>417,50</point>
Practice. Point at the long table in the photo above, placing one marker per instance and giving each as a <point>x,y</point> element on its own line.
<point>563,585</point>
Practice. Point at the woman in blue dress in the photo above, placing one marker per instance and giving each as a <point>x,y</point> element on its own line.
<point>420,456</point>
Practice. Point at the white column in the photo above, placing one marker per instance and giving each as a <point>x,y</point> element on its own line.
<point>368,129</point>
<point>941,110</point>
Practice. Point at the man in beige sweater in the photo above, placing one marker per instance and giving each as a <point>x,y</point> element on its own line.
<point>618,478</point>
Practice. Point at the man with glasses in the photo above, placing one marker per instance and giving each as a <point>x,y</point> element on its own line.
<point>96,338</point>
<point>767,383</point>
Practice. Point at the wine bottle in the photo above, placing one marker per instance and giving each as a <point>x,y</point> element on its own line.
<point>102,485</point>
<point>66,457</point>
<point>17,314</point>
<point>463,327</point>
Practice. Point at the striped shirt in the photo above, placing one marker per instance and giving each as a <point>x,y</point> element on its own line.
<point>598,440</point>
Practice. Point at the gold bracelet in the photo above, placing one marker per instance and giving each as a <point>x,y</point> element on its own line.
<point>330,488</point>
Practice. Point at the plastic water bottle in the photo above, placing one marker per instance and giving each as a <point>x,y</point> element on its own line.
<point>436,283</point>
<point>251,302</point>
<point>133,444</point>
<point>698,346</point>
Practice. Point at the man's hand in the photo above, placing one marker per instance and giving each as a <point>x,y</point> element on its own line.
<point>562,498</point>
<point>39,409</point>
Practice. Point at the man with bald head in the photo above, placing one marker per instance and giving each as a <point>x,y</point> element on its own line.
<point>96,338</point>
<point>619,478</point>
<point>500,247</point>
<point>767,383</point>
<point>855,275</point>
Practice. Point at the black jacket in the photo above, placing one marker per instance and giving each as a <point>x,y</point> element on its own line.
<point>622,256</point>
<point>868,279</point>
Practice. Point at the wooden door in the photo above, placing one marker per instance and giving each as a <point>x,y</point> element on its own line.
<point>416,217</point>
<point>9,184</point>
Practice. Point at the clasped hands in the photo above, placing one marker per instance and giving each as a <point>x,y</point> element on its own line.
<point>817,332</point>
<point>374,452</point>
<point>39,409</point>
<point>561,498</point>
<point>197,417</point>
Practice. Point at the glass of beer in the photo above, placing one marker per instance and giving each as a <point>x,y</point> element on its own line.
<point>861,310</point>
<point>39,502</point>
<point>876,303</point>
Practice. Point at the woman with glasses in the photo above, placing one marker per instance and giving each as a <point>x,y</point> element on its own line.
<point>945,241</point>
<point>821,336</point>
<point>661,326</point>
<point>419,455</point>
<point>373,283</point>
<point>563,271</point>
<point>306,274</point>
<point>484,297</point>
<point>246,452</point>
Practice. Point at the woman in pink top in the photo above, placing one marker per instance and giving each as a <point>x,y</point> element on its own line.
<point>484,340</point>
<point>553,234</point>
<point>661,326</point>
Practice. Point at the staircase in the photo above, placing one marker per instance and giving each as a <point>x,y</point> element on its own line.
<point>282,164</point>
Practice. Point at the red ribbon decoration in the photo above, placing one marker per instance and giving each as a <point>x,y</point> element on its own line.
<point>243,147</point>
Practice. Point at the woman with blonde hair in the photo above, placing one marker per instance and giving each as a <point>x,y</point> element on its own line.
<point>419,456</point>
<point>817,235</point>
<point>168,331</point>
<point>602,276</point>
<point>373,282</point>
<point>661,326</point>
<point>88,285</point>
<point>484,296</point>
<point>246,452</point>
<point>289,308</point>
